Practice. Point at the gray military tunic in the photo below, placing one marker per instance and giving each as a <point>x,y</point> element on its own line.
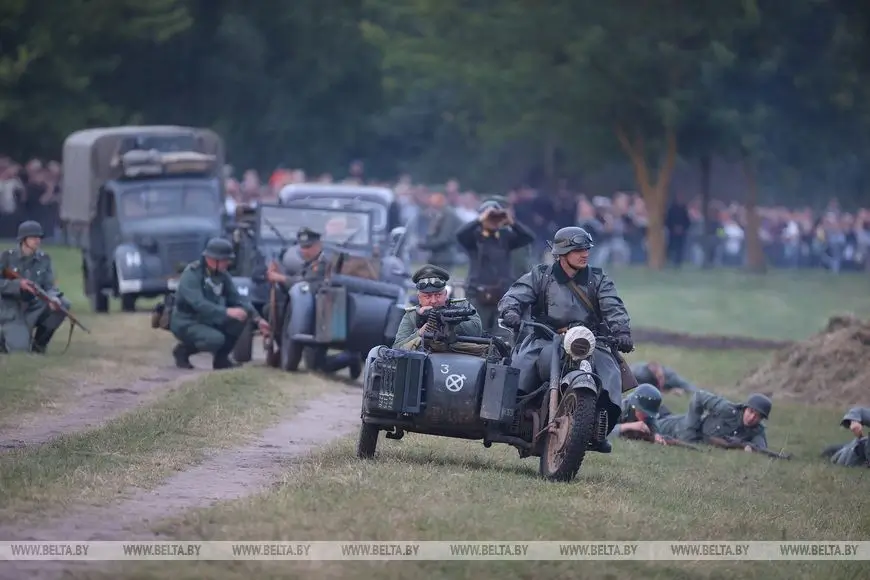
<point>21,312</point>
<point>710,415</point>
<point>545,292</point>
<point>854,453</point>
<point>672,380</point>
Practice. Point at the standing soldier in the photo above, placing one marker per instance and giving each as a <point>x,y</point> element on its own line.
<point>440,238</point>
<point>489,241</point>
<point>209,313</point>
<point>27,323</point>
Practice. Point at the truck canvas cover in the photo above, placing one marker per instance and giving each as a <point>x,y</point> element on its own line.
<point>91,158</point>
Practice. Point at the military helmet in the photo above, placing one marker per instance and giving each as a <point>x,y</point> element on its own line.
<point>646,398</point>
<point>30,229</point>
<point>569,239</point>
<point>760,403</point>
<point>219,249</point>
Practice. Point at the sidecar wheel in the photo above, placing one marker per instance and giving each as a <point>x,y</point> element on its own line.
<point>565,449</point>
<point>367,443</point>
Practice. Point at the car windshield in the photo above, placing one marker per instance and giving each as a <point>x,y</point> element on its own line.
<point>166,200</point>
<point>350,203</point>
<point>337,227</point>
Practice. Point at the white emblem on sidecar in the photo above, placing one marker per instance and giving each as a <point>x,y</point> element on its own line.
<point>454,383</point>
<point>445,369</point>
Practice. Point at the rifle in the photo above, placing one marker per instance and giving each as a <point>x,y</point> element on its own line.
<point>45,297</point>
<point>669,441</point>
<point>734,443</point>
<point>268,340</point>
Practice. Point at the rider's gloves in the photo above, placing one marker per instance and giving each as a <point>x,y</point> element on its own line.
<point>624,343</point>
<point>512,319</point>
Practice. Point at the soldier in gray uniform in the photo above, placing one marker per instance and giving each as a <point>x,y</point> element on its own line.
<point>431,282</point>
<point>27,323</point>
<point>556,295</point>
<point>640,414</point>
<point>855,453</point>
<point>710,415</point>
<point>664,377</point>
<point>489,241</point>
<point>209,313</point>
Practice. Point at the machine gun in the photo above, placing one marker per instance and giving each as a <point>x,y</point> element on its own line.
<point>735,443</point>
<point>440,322</point>
<point>50,300</point>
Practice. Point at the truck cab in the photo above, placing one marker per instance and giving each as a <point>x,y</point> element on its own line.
<point>141,203</point>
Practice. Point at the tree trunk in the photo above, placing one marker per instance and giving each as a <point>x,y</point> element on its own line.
<point>654,192</point>
<point>709,232</point>
<point>755,260</point>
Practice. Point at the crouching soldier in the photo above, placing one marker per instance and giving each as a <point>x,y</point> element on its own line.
<point>431,283</point>
<point>714,419</point>
<point>856,453</point>
<point>209,313</point>
<point>27,323</point>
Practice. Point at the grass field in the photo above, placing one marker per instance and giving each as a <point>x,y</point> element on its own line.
<point>425,488</point>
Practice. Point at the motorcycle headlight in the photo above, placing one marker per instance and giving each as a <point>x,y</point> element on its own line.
<point>579,342</point>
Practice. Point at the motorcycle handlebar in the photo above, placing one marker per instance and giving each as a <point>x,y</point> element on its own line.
<point>550,332</point>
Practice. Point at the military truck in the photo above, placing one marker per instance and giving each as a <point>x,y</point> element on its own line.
<point>141,202</point>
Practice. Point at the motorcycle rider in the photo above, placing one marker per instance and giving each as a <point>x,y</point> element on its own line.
<point>556,295</point>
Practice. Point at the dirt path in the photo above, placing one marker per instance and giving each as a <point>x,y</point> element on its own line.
<point>226,475</point>
<point>96,401</point>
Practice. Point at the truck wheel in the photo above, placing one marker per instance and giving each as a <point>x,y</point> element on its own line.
<point>128,302</point>
<point>565,449</point>
<point>242,351</point>
<point>367,443</point>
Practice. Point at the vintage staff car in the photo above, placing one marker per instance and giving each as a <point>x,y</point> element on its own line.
<point>140,202</point>
<point>355,306</point>
<point>381,201</point>
<point>465,387</point>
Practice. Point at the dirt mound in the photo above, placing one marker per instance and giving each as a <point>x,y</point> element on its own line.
<point>832,366</point>
<point>663,337</point>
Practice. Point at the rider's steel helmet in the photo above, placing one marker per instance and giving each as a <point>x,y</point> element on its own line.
<point>646,398</point>
<point>570,239</point>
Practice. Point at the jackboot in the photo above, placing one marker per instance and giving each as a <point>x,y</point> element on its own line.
<point>41,339</point>
<point>181,353</point>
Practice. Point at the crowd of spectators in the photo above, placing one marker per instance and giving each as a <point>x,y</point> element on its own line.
<point>832,239</point>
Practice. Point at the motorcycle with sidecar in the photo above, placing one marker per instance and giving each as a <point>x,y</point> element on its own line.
<point>465,387</point>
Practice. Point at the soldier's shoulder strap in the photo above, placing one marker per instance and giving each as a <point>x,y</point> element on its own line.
<point>598,271</point>
<point>195,265</point>
<point>542,268</point>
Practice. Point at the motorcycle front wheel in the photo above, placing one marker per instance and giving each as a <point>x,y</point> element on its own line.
<point>565,447</point>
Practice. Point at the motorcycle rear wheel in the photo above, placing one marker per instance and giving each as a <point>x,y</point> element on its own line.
<point>565,449</point>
